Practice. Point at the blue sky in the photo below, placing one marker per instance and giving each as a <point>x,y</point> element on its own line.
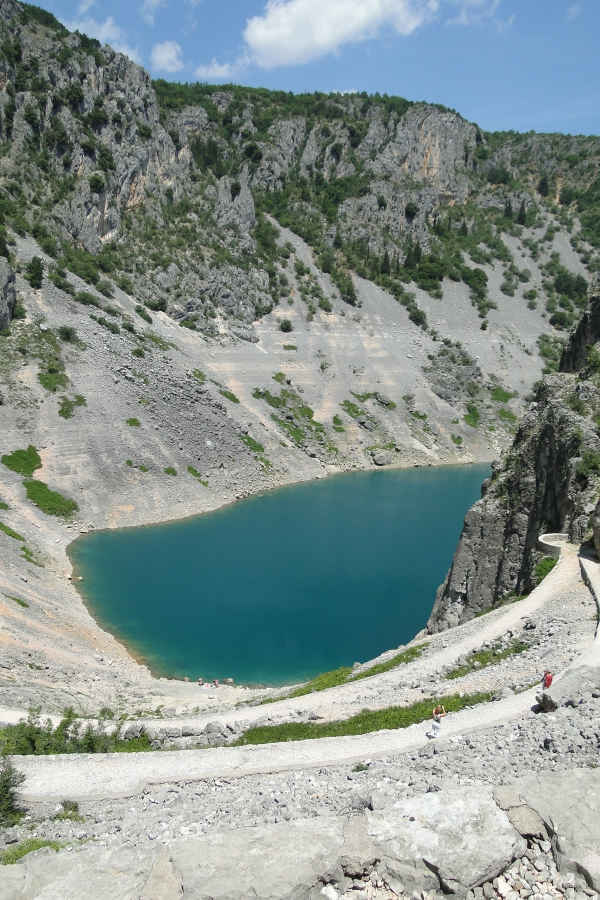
<point>522,64</point>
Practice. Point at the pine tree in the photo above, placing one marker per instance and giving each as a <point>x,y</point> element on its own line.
<point>508,210</point>
<point>522,217</point>
<point>385,264</point>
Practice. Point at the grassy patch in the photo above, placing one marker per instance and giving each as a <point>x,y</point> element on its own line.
<point>50,502</point>
<point>362,398</point>
<point>229,395</point>
<point>18,601</point>
<point>24,462</point>
<point>400,659</point>
<point>197,475</point>
<point>507,415</point>
<point>4,505</point>
<point>481,659</point>
<point>169,470</point>
<point>252,444</point>
<point>10,533</point>
<point>364,722</point>
<point>544,567</point>
<point>456,439</point>
<point>158,341</point>
<point>295,432</point>
<point>279,377</point>
<point>473,416</point>
<point>499,395</point>
<point>68,406</point>
<point>343,675</point>
<point>290,347</point>
<point>53,378</point>
<point>133,422</point>
<point>352,409</point>
<point>199,375</point>
<point>28,555</point>
<point>18,851</point>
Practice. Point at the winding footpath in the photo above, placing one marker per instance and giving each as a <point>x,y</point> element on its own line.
<point>87,777</point>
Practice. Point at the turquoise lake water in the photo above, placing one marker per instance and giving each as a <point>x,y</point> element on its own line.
<point>285,585</point>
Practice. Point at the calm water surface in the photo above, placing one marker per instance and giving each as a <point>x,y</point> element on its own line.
<point>279,587</point>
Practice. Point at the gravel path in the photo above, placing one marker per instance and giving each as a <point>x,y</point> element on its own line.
<point>86,777</point>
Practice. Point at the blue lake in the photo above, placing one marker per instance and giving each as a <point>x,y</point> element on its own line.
<point>287,584</point>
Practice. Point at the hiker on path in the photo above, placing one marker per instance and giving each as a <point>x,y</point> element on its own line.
<point>438,714</point>
<point>546,679</point>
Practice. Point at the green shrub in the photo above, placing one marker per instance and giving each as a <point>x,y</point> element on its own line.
<point>473,416</point>
<point>34,737</point>
<point>34,272</point>
<point>96,183</point>
<point>88,299</point>
<point>589,463</point>
<point>143,313</point>
<point>50,502</point>
<point>137,351</point>
<point>229,395</point>
<point>10,780</point>
<point>68,406</point>
<point>544,567</point>
<point>170,470</point>
<point>499,395</point>
<point>290,347</point>
<point>23,462</point>
<point>133,422</point>
<point>286,326</point>
<point>67,333</point>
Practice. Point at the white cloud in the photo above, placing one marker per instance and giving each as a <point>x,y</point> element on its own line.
<point>148,10</point>
<point>217,71</point>
<point>297,31</point>
<point>472,12</point>
<point>107,32</point>
<point>167,57</point>
<point>85,7</point>
<point>573,11</point>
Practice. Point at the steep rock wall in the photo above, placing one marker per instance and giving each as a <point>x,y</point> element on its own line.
<point>548,481</point>
<point>7,294</point>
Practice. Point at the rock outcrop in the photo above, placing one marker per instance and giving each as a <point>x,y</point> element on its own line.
<point>547,482</point>
<point>8,297</point>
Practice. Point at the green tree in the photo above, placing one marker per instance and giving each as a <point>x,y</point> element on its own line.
<point>543,186</point>
<point>522,215</point>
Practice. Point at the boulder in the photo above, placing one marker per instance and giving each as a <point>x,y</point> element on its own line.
<point>569,805</point>
<point>442,839</point>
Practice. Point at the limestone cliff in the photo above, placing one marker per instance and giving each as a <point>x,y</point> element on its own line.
<point>547,482</point>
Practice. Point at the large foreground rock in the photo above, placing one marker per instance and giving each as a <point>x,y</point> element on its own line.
<point>7,294</point>
<point>570,807</point>
<point>442,839</point>
<point>439,841</point>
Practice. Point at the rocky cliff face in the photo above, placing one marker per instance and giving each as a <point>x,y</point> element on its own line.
<point>102,160</point>
<point>547,482</point>
<point>7,294</point>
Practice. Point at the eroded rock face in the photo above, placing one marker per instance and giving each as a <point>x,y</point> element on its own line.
<point>8,297</point>
<point>545,483</point>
